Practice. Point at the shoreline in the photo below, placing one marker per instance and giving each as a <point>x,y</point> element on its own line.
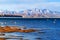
<point>28,18</point>
<point>19,18</point>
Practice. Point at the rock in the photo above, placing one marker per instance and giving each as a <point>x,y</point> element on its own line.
<point>15,29</point>
<point>27,30</point>
<point>1,29</point>
<point>38,38</point>
<point>21,38</point>
<point>2,34</point>
<point>2,39</point>
<point>7,29</point>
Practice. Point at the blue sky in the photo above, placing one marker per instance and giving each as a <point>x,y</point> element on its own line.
<point>29,4</point>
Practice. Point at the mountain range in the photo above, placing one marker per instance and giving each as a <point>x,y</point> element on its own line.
<point>35,13</point>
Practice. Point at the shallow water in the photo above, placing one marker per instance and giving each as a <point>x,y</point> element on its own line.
<point>49,28</point>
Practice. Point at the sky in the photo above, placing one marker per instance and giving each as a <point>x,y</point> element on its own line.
<point>17,5</point>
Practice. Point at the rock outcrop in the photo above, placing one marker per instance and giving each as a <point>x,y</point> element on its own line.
<point>15,29</point>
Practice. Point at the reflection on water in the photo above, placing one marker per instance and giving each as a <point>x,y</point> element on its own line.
<point>39,35</point>
<point>48,29</point>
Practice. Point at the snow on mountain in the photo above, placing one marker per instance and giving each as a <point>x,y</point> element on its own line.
<point>39,13</point>
<point>45,13</point>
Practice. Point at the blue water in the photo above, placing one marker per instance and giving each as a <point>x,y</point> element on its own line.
<point>50,28</point>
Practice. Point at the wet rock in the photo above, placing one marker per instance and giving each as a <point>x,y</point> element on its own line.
<point>15,29</point>
<point>1,29</point>
<point>2,34</point>
<point>38,38</point>
<point>21,38</point>
<point>7,29</point>
<point>2,39</point>
<point>27,30</point>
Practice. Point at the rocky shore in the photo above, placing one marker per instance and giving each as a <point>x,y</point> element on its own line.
<point>15,29</point>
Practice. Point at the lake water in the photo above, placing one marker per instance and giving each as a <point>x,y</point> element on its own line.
<point>49,28</point>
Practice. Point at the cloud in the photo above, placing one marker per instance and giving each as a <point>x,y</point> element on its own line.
<point>28,1</point>
<point>49,5</point>
<point>28,4</point>
<point>21,1</point>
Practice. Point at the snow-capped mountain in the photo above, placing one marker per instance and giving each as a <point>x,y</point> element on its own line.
<point>33,13</point>
<point>45,13</point>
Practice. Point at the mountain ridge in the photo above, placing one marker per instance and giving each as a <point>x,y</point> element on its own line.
<point>35,13</point>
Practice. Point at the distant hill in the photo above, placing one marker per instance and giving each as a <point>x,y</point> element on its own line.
<point>34,13</point>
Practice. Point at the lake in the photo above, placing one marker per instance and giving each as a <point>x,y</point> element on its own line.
<point>49,28</point>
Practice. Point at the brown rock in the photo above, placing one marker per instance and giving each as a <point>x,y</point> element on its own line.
<point>1,29</point>
<point>14,29</point>
<point>28,30</point>
<point>2,39</point>
<point>7,29</point>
